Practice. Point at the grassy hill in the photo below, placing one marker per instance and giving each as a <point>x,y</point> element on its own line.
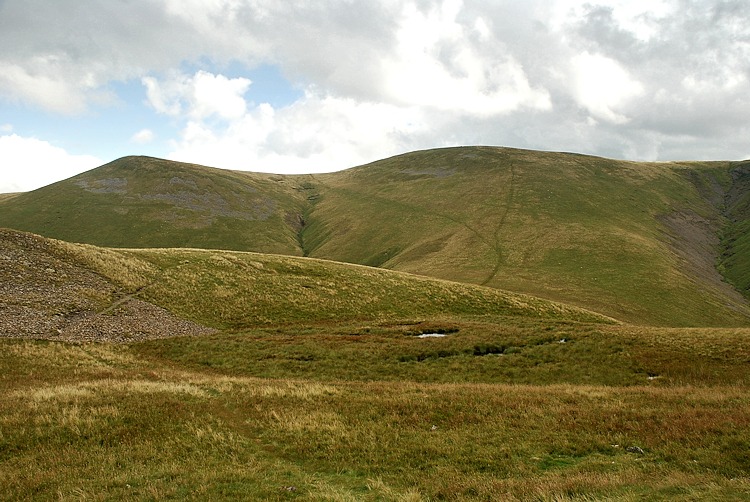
<point>736,235</point>
<point>147,202</point>
<point>59,290</point>
<point>636,241</point>
<point>201,357</point>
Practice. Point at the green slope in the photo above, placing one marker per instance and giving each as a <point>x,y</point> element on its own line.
<point>147,202</point>
<point>606,234</point>
<point>285,403</point>
<point>67,290</point>
<point>636,241</point>
<point>736,237</point>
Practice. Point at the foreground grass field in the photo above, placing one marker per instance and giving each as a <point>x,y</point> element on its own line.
<point>318,414</point>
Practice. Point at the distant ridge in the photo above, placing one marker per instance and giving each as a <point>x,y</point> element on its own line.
<point>149,202</point>
<point>641,242</point>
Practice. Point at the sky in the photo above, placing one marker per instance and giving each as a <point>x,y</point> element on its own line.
<point>318,86</point>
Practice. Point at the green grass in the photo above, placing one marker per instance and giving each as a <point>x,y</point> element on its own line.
<point>735,241</point>
<point>110,422</point>
<point>508,352</point>
<point>580,230</point>
<point>235,290</point>
<point>306,393</point>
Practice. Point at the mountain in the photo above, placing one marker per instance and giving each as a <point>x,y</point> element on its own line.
<point>637,241</point>
<point>736,236</point>
<point>640,242</point>
<point>148,202</point>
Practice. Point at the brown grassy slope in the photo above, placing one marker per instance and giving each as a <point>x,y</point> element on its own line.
<point>54,289</point>
<point>99,421</point>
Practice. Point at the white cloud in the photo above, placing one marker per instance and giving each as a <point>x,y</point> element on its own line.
<point>200,96</point>
<point>142,137</point>
<point>316,133</point>
<point>218,95</point>
<point>443,64</point>
<point>164,97</point>
<point>38,86</point>
<point>603,87</point>
<point>29,163</point>
<point>640,18</point>
<point>6,128</point>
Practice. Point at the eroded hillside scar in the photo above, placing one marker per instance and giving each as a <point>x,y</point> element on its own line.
<point>301,221</point>
<point>500,257</point>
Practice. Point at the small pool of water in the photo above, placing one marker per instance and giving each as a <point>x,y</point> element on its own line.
<point>431,335</point>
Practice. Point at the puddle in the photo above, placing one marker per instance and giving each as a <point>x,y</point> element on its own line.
<point>431,335</point>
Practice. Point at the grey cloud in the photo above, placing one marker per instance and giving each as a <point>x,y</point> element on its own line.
<point>340,48</point>
<point>695,71</point>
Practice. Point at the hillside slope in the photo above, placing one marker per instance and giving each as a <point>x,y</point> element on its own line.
<point>735,263</point>
<point>53,289</point>
<point>148,202</point>
<point>46,292</point>
<point>636,241</point>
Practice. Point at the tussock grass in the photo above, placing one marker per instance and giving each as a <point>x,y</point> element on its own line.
<point>124,268</point>
<point>65,392</point>
<point>538,352</point>
<point>316,388</point>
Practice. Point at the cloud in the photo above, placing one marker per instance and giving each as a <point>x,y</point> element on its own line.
<point>143,137</point>
<point>33,84</point>
<point>602,86</point>
<point>440,62</point>
<point>29,163</point>
<point>316,133</point>
<point>651,79</point>
<point>201,96</point>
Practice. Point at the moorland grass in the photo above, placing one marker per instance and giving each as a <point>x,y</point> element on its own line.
<point>235,290</point>
<point>128,426</point>
<point>514,352</point>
